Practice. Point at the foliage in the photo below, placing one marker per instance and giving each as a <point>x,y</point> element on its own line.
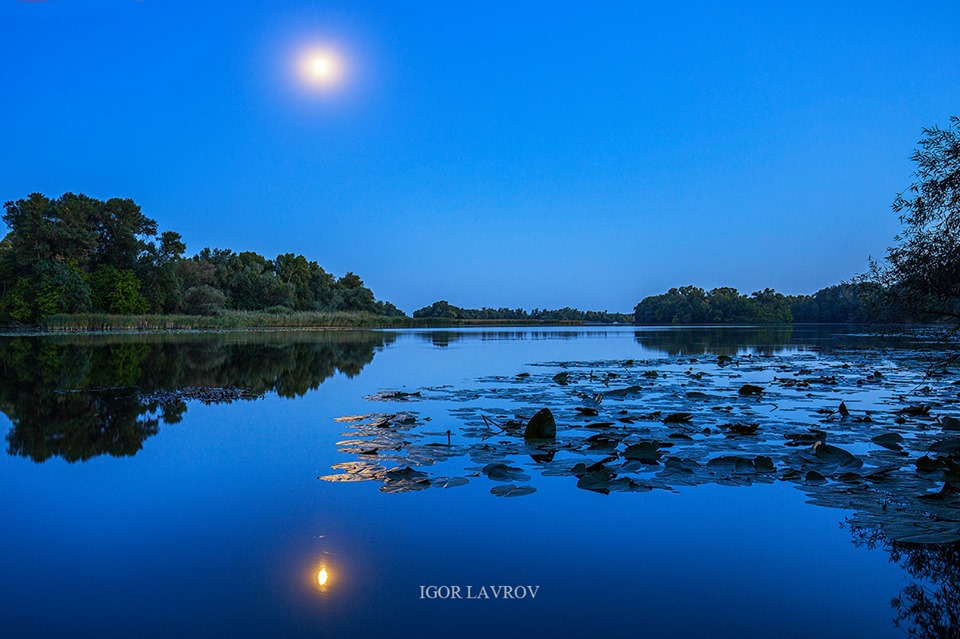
<point>922,273</point>
<point>204,300</point>
<point>76,254</point>
<point>444,310</point>
<point>694,305</point>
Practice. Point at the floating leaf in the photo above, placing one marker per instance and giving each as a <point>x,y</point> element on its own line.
<point>512,491</point>
<point>394,396</point>
<point>888,440</point>
<point>677,418</point>
<point>449,482</point>
<point>596,480</point>
<point>741,429</point>
<point>647,452</point>
<point>502,472</point>
<point>950,445</point>
<point>835,455</point>
<point>623,392</point>
<point>750,389</point>
<point>950,423</point>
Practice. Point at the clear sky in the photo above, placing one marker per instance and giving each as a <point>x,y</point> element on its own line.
<point>491,153</point>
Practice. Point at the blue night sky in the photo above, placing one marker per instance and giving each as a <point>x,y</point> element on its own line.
<point>491,153</point>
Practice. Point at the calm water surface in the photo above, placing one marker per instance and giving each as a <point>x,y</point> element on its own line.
<point>159,486</point>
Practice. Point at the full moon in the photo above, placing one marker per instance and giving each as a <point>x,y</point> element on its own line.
<point>321,68</point>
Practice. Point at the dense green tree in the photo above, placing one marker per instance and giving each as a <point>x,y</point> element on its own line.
<point>75,253</point>
<point>204,300</point>
<point>63,289</point>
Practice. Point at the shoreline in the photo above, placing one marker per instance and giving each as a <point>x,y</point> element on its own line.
<point>103,324</point>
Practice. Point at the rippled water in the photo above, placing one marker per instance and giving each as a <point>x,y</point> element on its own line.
<point>168,485</point>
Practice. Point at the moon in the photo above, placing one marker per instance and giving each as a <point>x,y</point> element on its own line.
<point>321,68</point>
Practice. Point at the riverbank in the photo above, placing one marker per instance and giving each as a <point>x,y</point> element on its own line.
<point>249,320</point>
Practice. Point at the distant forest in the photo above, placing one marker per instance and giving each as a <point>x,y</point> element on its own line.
<point>445,310</point>
<point>840,304</point>
<point>859,302</point>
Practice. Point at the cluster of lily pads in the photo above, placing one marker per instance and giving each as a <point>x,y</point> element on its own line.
<point>872,431</point>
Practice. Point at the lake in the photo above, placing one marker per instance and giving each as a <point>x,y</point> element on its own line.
<point>701,482</point>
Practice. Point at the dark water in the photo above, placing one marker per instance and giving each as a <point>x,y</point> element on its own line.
<point>168,486</point>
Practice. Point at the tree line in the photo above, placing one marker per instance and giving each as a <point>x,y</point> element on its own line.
<point>78,254</point>
<point>857,302</point>
<point>444,310</point>
<point>918,281</point>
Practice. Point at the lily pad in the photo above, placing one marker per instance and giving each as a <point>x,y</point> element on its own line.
<point>889,440</point>
<point>511,490</point>
<point>750,389</point>
<point>502,472</point>
<point>647,452</point>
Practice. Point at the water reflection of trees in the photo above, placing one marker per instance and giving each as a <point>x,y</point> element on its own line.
<point>447,337</point>
<point>80,397</point>
<point>928,608</point>
<point>763,340</point>
<point>766,340</point>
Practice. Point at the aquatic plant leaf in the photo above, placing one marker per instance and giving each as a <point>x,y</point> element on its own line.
<point>741,429</point>
<point>511,490</point>
<point>888,440</point>
<point>404,473</point>
<point>449,482</point>
<point>343,477</point>
<point>950,445</point>
<point>750,389</point>
<point>677,418</point>
<point>647,452</point>
<point>541,426</point>
<point>501,472</point>
<point>627,485</point>
<point>834,455</point>
<point>843,409</point>
<point>623,392</point>
<point>405,485</point>
<point>562,378</point>
<point>596,480</point>
<point>950,423</point>
<point>394,396</point>
<point>764,464</point>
